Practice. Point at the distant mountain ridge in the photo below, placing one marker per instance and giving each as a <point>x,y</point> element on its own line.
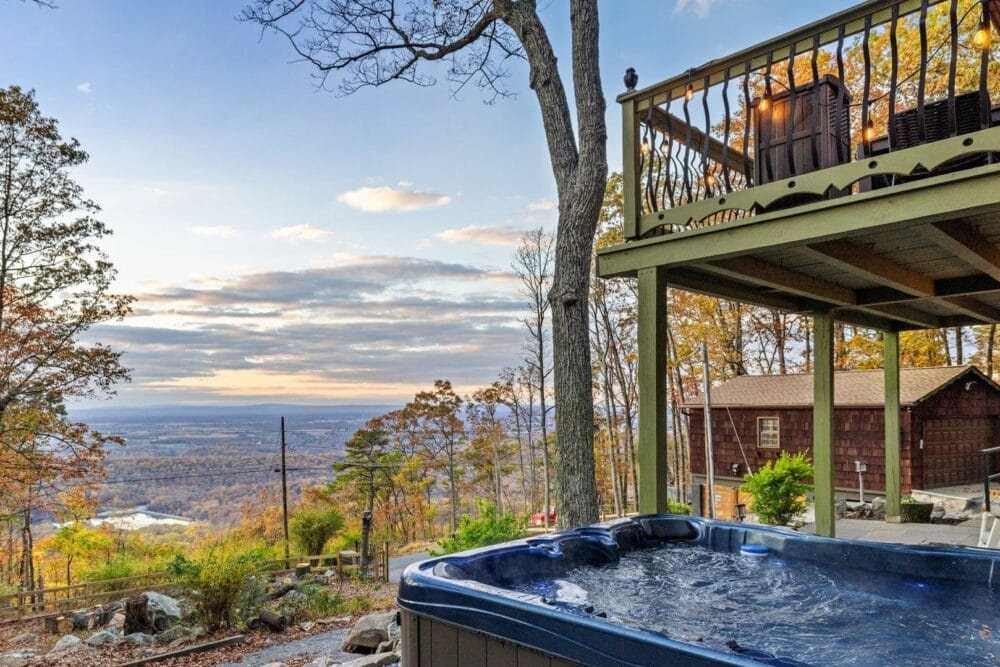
<point>260,410</point>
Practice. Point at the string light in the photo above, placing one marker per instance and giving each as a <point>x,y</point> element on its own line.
<point>709,180</point>
<point>870,131</point>
<point>764,104</point>
<point>689,93</point>
<point>982,37</point>
<point>645,145</point>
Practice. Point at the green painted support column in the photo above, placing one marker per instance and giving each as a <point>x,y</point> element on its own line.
<point>890,342</point>
<point>652,391</point>
<point>823,423</point>
<point>630,169</point>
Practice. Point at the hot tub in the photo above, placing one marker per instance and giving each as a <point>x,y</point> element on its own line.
<point>663,589</point>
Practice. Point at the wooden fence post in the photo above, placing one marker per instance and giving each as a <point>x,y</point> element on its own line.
<point>385,562</point>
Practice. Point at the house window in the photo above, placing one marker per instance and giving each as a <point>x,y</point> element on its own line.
<point>767,432</point>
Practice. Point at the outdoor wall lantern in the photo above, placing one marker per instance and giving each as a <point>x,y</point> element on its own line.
<point>736,469</point>
<point>741,512</point>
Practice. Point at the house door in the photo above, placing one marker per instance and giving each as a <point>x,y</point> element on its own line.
<point>951,450</point>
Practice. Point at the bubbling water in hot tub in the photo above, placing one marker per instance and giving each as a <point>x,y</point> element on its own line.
<point>819,613</point>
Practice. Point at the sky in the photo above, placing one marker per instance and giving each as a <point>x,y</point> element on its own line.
<point>289,244</point>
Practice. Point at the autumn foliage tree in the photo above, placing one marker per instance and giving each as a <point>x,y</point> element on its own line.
<point>55,284</point>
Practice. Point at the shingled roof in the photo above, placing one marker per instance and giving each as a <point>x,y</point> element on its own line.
<point>851,388</point>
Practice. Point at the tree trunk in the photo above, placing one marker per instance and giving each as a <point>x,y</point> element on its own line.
<point>581,175</point>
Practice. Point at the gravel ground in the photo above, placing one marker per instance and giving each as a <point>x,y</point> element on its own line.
<point>327,643</point>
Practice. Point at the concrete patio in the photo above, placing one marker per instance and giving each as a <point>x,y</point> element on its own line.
<point>965,534</point>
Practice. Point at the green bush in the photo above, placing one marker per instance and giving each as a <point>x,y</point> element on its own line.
<point>777,489</point>
<point>311,528</point>
<point>220,580</point>
<point>491,527</point>
<point>676,507</point>
<point>117,567</point>
<point>317,601</point>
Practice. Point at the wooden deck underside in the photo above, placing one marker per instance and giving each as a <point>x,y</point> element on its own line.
<point>916,256</point>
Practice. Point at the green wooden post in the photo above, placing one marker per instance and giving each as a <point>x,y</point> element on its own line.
<point>890,342</point>
<point>630,168</point>
<point>823,423</point>
<point>652,391</point>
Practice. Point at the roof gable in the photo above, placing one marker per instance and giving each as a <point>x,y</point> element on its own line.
<point>851,388</point>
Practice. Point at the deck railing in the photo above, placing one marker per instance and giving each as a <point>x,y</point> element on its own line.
<point>882,94</point>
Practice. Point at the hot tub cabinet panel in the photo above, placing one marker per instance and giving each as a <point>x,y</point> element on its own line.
<point>461,609</point>
<point>430,642</point>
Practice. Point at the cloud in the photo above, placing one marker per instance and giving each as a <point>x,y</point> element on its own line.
<point>493,235</point>
<point>217,231</point>
<point>297,233</point>
<point>376,200</point>
<point>700,8</point>
<point>542,205</point>
<point>83,87</point>
<point>364,328</point>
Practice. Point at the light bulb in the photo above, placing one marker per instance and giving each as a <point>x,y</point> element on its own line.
<point>689,93</point>
<point>982,37</point>
<point>870,131</point>
<point>645,145</point>
<point>709,180</point>
<point>764,104</point>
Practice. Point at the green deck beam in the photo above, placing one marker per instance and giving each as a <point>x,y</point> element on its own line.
<point>823,423</point>
<point>890,342</point>
<point>945,197</point>
<point>652,391</point>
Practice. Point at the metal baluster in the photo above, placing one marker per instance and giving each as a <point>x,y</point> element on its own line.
<point>953,69</point>
<point>706,176</point>
<point>814,122</point>
<point>650,137</point>
<point>687,142</point>
<point>922,81</point>
<point>669,141</point>
<point>766,131</point>
<point>725,132</point>
<point>790,112</point>
<point>839,103</point>
<point>748,119</point>
<point>893,76</point>
<point>985,110</point>
<point>866,95</point>
<point>655,151</point>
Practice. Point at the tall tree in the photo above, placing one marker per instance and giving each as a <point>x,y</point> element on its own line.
<point>366,468</point>
<point>374,42</point>
<point>533,266</point>
<point>55,283</point>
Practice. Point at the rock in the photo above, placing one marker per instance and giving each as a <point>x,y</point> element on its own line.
<point>151,612</point>
<point>369,632</point>
<point>937,513</point>
<point>307,625</point>
<point>878,508</point>
<point>103,637</point>
<point>174,633</point>
<point>321,661</point>
<point>393,630</point>
<point>117,622</point>
<point>840,507</point>
<point>25,638</point>
<point>385,647</point>
<point>139,638</point>
<point>373,660</point>
<point>65,645</point>
<point>18,657</point>
<point>274,664</point>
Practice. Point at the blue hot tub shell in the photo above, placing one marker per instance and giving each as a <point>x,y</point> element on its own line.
<point>459,609</point>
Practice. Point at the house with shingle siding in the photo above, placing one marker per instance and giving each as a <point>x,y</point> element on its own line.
<point>947,415</point>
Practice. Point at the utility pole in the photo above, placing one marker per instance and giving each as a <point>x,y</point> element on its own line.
<point>284,489</point>
<point>709,458</point>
